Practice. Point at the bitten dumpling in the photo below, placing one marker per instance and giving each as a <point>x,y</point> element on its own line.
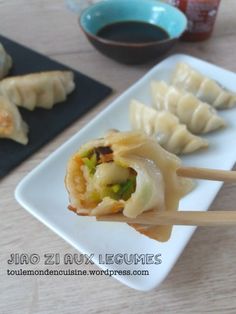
<point>125,172</point>
<point>42,89</point>
<point>165,127</point>
<point>202,87</point>
<point>5,62</point>
<point>11,124</point>
<point>198,116</point>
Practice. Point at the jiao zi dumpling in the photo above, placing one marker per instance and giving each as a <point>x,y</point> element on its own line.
<point>207,90</point>
<point>198,116</point>
<point>42,89</point>
<point>166,128</point>
<point>128,173</point>
<point>5,62</point>
<point>11,124</point>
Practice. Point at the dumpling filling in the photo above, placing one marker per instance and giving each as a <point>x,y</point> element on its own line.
<point>111,185</point>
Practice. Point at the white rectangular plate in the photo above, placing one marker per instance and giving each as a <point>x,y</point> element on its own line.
<point>43,194</point>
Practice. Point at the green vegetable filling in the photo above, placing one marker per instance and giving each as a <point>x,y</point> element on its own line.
<point>121,191</point>
<point>117,191</point>
<point>91,163</point>
<point>86,153</point>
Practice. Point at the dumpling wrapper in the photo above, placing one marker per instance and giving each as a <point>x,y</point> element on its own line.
<point>42,89</point>
<point>11,124</point>
<point>207,90</point>
<point>5,62</point>
<point>157,188</point>
<point>165,128</point>
<point>198,116</point>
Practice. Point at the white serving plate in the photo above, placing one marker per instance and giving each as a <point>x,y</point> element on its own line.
<point>43,194</point>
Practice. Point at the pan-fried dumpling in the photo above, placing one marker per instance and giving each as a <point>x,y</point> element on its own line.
<point>127,173</point>
<point>42,89</point>
<point>5,62</point>
<point>202,87</point>
<point>165,127</point>
<point>198,116</point>
<point>11,124</point>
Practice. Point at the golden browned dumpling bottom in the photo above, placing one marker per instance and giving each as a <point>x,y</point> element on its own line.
<point>11,124</point>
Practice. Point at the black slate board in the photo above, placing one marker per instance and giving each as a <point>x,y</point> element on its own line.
<point>44,125</point>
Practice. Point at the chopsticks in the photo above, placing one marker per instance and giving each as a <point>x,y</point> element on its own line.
<point>186,218</point>
<point>207,174</point>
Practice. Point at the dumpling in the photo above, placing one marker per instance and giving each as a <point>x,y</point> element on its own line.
<point>198,116</point>
<point>202,87</point>
<point>11,124</point>
<point>165,127</point>
<point>42,89</point>
<point>125,172</point>
<point>5,62</point>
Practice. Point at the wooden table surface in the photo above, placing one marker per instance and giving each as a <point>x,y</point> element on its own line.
<point>204,278</point>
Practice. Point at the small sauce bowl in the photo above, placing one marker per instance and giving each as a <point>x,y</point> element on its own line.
<point>107,12</point>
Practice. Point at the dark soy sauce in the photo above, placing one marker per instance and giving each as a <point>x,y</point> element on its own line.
<point>132,32</point>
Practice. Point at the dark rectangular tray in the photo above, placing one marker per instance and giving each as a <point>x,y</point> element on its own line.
<point>43,124</point>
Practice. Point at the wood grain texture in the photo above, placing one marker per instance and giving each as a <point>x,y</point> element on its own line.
<point>204,278</point>
<point>210,218</point>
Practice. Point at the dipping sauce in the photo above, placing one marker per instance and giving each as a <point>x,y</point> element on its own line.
<point>133,32</point>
